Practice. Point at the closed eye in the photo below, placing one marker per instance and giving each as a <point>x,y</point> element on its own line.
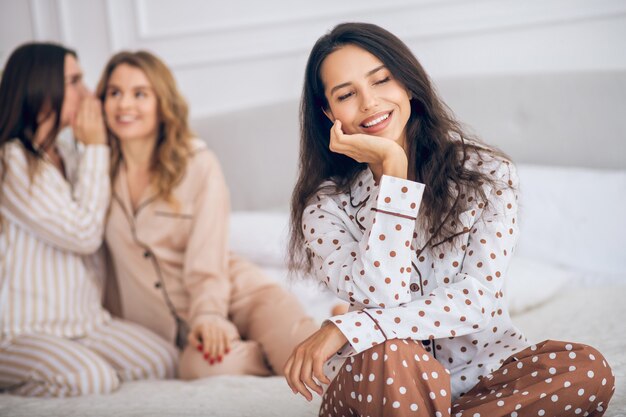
<point>345,96</point>
<point>384,80</point>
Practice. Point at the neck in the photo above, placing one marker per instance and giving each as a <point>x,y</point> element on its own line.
<point>137,153</point>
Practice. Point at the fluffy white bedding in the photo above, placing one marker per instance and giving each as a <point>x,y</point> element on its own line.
<point>592,316</point>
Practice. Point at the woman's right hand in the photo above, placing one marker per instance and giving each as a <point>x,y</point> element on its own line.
<point>89,125</point>
<point>384,155</point>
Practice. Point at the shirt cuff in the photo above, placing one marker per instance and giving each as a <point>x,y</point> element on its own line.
<point>399,196</point>
<point>96,158</point>
<point>360,329</point>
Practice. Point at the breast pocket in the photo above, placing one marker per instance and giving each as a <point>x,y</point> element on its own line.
<point>174,224</point>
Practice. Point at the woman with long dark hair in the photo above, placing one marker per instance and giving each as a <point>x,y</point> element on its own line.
<point>403,215</point>
<point>55,337</point>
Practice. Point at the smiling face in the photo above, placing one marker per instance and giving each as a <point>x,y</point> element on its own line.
<point>130,105</point>
<point>363,94</point>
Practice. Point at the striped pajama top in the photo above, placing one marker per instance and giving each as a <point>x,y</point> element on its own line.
<point>50,229</point>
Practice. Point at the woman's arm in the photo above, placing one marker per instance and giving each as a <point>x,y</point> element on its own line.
<point>71,220</point>
<point>206,257</point>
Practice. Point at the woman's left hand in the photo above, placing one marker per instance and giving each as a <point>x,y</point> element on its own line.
<point>211,337</point>
<point>307,360</point>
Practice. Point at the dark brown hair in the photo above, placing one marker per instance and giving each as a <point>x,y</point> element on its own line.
<point>438,147</point>
<point>172,149</point>
<point>33,82</point>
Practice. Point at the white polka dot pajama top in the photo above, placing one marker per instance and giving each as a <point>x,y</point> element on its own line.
<point>367,247</point>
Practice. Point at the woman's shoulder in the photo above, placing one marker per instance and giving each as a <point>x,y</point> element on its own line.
<point>13,149</point>
<point>201,157</point>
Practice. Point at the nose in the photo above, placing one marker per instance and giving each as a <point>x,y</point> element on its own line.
<point>125,100</point>
<point>368,99</point>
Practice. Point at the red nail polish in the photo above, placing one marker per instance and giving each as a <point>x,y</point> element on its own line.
<point>219,358</point>
<point>227,351</point>
<point>199,348</point>
<point>212,361</point>
<point>206,356</point>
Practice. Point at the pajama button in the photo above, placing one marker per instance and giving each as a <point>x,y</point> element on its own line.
<point>146,254</point>
<point>157,285</point>
<point>414,287</point>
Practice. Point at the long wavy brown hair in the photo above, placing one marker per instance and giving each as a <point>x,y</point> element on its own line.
<point>172,149</point>
<point>438,145</point>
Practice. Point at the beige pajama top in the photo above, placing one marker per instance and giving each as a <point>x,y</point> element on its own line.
<point>179,249</point>
<point>366,247</point>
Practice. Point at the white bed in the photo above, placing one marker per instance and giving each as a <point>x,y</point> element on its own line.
<point>567,280</point>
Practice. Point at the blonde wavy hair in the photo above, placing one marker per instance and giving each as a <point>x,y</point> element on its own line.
<point>173,146</point>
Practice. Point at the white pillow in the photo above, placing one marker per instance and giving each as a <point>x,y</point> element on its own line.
<point>260,236</point>
<point>530,283</point>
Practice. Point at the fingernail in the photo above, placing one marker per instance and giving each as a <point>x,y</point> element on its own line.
<point>212,361</point>
<point>200,348</point>
<point>227,350</point>
<point>206,356</point>
<point>294,391</point>
<point>219,358</point>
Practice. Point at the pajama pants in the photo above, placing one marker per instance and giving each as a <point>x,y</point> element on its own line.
<point>41,365</point>
<point>267,323</point>
<point>399,378</point>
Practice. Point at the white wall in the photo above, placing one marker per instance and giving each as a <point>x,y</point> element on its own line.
<point>242,53</point>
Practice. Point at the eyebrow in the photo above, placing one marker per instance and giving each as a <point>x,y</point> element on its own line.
<point>337,87</point>
<point>138,87</point>
<point>74,77</point>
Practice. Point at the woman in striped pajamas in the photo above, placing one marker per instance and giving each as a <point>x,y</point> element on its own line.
<point>55,338</point>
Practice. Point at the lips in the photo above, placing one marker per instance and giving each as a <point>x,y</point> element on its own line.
<point>125,119</point>
<point>376,122</point>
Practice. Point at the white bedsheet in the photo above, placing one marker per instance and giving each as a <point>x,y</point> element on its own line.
<point>593,316</point>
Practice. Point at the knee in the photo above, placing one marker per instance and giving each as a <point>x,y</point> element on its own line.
<point>244,358</point>
<point>169,362</point>
<point>597,371</point>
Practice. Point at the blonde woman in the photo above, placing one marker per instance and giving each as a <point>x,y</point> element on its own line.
<point>168,230</point>
<point>55,337</point>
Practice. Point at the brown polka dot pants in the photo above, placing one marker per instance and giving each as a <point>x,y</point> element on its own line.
<point>550,379</point>
<point>394,378</point>
<point>399,378</point>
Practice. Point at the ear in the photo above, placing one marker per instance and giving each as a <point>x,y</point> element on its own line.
<point>329,114</point>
